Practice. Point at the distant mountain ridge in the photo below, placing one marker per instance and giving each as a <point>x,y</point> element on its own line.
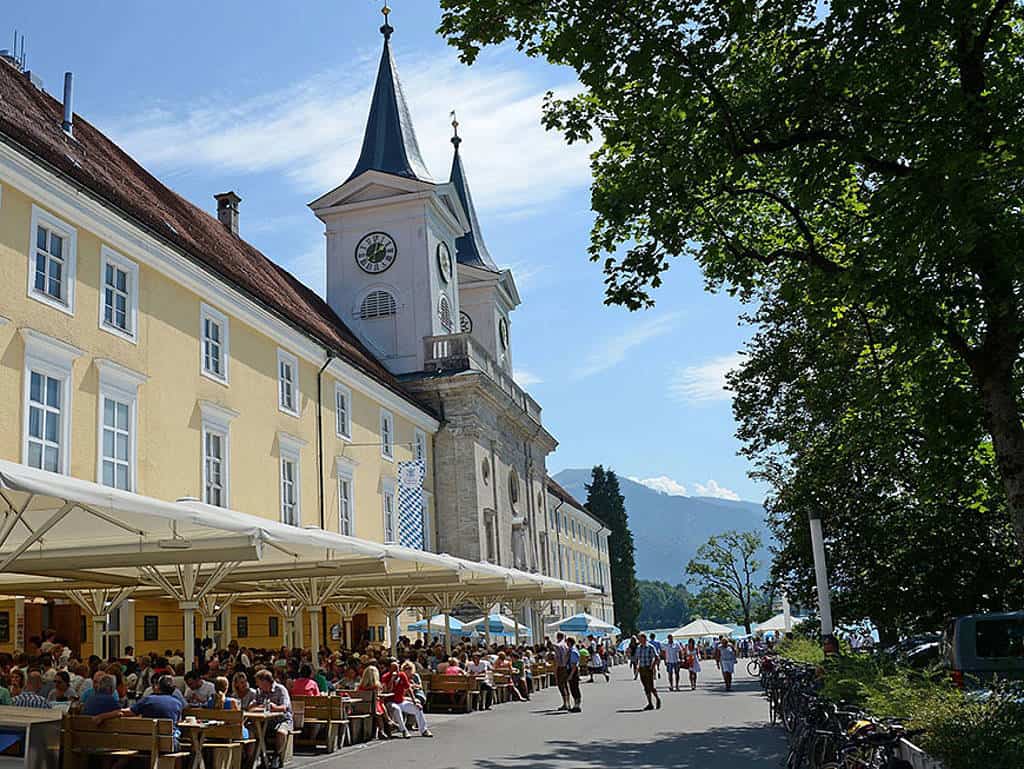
<point>667,529</point>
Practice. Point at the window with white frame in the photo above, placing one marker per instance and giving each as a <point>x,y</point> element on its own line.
<point>52,261</point>
<point>119,278</point>
<point>387,434</point>
<point>117,429</point>
<point>343,411</point>
<point>47,401</point>
<point>346,496</point>
<point>216,448</point>
<point>288,383</point>
<point>390,515</point>
<point>289,449</point>
<point>420,445</point>
<point>428,529</point>
<point>289,490</point>
<point>213,335</point>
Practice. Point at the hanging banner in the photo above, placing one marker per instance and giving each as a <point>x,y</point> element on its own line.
<point>410,503</point>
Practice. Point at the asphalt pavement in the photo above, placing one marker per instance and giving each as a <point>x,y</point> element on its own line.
<point>704,729</point>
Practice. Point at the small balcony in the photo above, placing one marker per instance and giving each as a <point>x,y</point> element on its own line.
<point>452,353</point>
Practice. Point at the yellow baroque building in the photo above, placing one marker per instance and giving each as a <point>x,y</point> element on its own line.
<point>145,346</point>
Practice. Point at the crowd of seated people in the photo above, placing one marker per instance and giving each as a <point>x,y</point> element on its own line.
<point>161,685</point>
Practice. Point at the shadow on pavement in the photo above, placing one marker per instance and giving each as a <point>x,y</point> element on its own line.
<point>748,747</point>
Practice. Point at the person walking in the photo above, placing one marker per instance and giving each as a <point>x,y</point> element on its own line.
<point>645,661</point>
<point>672,652</point>
<point>692,654</point>
<point>631,650</point>
<point>561,654</point>
<point>573,681</point>
<point>725,657</point>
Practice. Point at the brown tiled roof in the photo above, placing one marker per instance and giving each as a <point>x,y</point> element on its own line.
<point>555,488</point>
<point>30,120</point>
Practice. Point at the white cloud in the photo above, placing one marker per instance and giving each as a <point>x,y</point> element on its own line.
<point>311,131</point>
<point>706,382</point>
<point>525,378</point>
<point>662,483</point>
<point>712,489</point>
<point>613,351</point>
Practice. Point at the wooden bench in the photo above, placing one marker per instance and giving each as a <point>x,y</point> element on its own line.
<point>460,692</point>
<point>360,727</point>
<point>152,738</point>
<point>325,725</point>
<point>225,742</point>
<point>502,688</point>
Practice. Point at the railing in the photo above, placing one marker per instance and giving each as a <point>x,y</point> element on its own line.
<point>452,353</point>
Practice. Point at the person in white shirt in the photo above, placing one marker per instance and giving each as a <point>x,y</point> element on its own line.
<point>481,668</point>
<point>197,690</point>
<point>672,651</point>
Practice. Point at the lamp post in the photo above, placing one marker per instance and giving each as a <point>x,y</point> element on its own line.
<point>821,576</point>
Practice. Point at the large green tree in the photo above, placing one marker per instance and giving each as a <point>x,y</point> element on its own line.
<point>727,566</point>
<point>662,605</point>
<point>605,502</point>
<point>850,157</point>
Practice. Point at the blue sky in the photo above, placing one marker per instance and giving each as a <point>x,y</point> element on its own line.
<point>270,99</point>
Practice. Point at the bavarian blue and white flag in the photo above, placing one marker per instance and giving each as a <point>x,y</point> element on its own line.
<point>410,503</point>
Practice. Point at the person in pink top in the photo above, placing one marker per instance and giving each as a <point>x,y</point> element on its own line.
<point>453,668</point>
<point>304,685</point>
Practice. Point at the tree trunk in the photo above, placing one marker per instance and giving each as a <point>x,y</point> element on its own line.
<point>1002,414</point>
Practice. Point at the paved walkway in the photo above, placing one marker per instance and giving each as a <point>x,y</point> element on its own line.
<point>705,729</point>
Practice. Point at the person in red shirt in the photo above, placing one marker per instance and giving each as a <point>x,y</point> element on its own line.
<point>304,685</point>
<point>397,682</point>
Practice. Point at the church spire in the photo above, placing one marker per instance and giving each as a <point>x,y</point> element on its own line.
<point>389,144</point>
<point>469,248</point>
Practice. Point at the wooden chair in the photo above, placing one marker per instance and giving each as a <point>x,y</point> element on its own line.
<point>152,738</point>
<point>225,742</point>
<point>455,692</point>
<point>360,716</point>
<point>324,723</point>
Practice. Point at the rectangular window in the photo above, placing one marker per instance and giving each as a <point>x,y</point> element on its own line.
<point>119,278</point>
<point>420,445</point>
<point>290,490</point>
<point>390,524</point>
<point>273,627</point>
<point>213,333</point>
<point>489,544</point>
<point>288,383</point>
<point>387,435</point>
<point>5,627</point>
<point>116,444</point>
<point>345,506</point>
<point>151,628</point>
<point>343,411</point>
<point>241,627</point>
<point>46,422</point>
<point>214,468</point>
<point>51,277</point>
<point>370,634</point>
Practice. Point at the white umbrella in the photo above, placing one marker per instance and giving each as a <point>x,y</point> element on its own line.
<point>701,628</point>
<point>584,624</point>
<point>777,624</point>
<point>497,624</point>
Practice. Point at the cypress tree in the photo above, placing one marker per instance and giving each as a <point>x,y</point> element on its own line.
<point>605,502</point>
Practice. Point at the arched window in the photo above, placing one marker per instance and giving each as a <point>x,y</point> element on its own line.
<point>444,312</point>
<point>513,488</point>
<point>377,304</point>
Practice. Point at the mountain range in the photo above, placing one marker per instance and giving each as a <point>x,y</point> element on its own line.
<point>668,529</point>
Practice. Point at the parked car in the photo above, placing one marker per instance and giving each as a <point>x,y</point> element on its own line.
<point>980,647</point>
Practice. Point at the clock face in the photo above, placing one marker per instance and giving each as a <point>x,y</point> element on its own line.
<point>444,261</point>
<point>503,333</point>
<point>376,252</point>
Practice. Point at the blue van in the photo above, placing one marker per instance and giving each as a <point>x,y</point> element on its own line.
<point>980,647</point>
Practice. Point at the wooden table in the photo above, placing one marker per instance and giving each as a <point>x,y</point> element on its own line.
<point>258,719</point>
<point>195,730</point>
<point>41,741</point>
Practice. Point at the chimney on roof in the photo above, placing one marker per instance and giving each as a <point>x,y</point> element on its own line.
<point>227,210</point>
<point>69,111</point>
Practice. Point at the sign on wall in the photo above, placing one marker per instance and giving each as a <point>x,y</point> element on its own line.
<point>410,503</point>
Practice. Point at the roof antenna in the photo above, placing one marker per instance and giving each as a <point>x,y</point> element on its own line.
<point>386,29</point>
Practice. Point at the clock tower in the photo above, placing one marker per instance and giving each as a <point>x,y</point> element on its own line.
<point>391,235</point>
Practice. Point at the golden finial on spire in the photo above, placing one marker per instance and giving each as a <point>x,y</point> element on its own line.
<point>456,140</point>
<point>386,29</point>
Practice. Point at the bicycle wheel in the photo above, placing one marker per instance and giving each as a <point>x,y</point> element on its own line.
<point>754,667</point>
